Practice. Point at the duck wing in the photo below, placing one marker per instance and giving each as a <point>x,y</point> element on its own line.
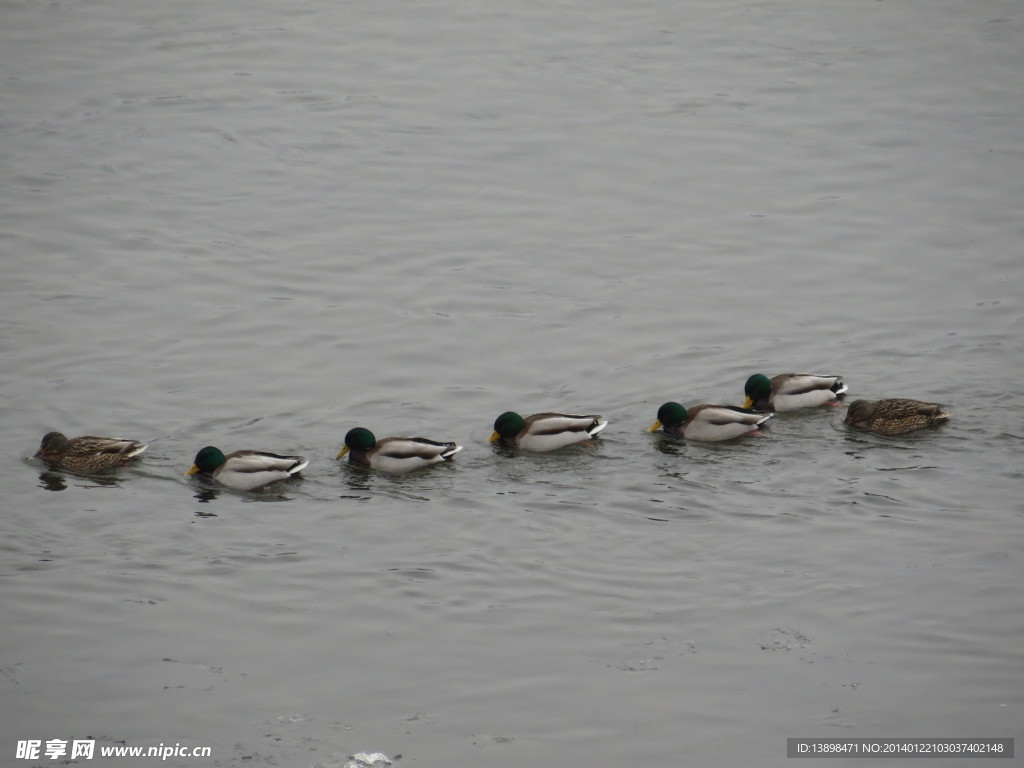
<point>246,462</point>
<point>90,445</point>
<point>415,448</point>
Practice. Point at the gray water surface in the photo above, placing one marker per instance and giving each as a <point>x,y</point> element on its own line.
<point>259,227</point>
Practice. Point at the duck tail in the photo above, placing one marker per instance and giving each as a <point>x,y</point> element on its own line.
<point>450,451</point>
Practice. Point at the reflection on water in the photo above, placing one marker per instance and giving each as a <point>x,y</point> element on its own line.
<point>55,481</point>
<point>668,445</point>
<point>52,481</point>
<point>208,490</point>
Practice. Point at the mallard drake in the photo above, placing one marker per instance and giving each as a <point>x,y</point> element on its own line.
<point>709,423</point>
<point>894,416</point>
<point>394,454</point>
<point>87,454</point>
<point>543,432</point>
<point>245,470</point>
<point>789,391</point>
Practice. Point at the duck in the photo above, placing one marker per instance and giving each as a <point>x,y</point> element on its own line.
<point>542,432</point>
<point>245,470</point>
<point>789,391</point>
<point>894,415</point>
<point>708,423</point>
<point>394,454</point>
<point>87,454</point>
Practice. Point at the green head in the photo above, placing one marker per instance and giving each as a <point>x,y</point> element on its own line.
<point>207,460</point>
<point>508,425</point>
<point>757,386</point>
<point>670,415</point>
<point>360,439</point>
<point>758,389</point>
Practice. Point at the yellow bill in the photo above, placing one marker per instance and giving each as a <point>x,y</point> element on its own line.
<point>655,426</point>
<point>494,436</point>
<point>748,403</point>
<point>342,452</point>
<point>192,470</point>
